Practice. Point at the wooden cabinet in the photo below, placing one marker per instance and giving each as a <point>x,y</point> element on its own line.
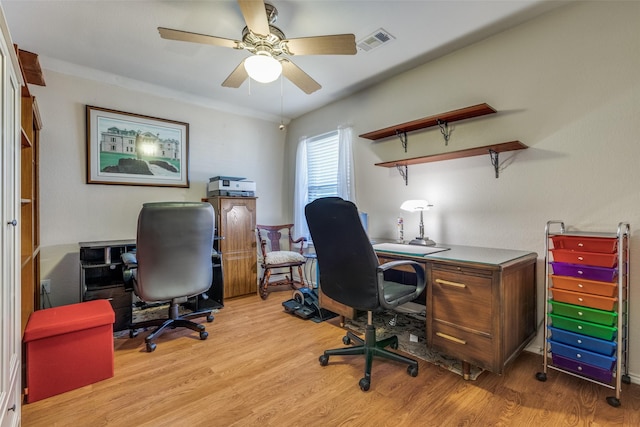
<point>482,313</point>
<point>236,225</point>
<point>29,187</point>
<point>10,271</point>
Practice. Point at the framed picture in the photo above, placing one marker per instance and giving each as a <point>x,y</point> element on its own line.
<point>131,149</point>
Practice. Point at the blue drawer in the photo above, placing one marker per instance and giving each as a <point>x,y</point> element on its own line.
<point>582,356</point>
<point>608,348</point>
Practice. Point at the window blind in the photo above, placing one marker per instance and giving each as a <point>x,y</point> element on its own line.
<point>322,166</point>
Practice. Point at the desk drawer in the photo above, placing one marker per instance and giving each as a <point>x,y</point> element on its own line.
<point>464,345</point>
<point>461,298</point>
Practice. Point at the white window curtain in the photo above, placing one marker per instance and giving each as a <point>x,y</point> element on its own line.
<point>330,174</point>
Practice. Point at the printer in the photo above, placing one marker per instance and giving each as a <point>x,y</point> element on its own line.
<point>230,186</point>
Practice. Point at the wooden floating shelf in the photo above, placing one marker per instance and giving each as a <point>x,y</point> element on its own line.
<point>469,152</point>
<point>427,122</point>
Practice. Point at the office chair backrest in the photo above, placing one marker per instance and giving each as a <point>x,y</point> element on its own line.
<point>173,245</point>
<point>346,260</point>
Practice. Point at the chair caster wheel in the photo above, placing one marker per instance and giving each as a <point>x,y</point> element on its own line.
<point>210,318</point>
<point>541,376</point>
<point>151,346</point>
<point>204,335</point>
<point>626,379</point>
<point>346,340</point>
<point>412,370</point>
<point>324,360</point>
<point>364,384</point>
<point>613,401</point>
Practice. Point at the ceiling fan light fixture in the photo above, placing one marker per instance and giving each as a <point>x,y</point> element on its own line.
<point>263,68</point>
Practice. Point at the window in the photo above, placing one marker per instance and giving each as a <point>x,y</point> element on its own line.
<point>324,168</point>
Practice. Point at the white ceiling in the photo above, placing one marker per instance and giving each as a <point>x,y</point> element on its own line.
<point>117,41</point>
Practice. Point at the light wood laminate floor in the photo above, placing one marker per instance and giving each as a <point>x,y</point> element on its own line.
<point>259,367</point>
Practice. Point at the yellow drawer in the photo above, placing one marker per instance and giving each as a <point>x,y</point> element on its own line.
<point>462,298</point>
<point>463,345</point>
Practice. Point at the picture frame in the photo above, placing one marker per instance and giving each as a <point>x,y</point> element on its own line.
<point>133,149</point>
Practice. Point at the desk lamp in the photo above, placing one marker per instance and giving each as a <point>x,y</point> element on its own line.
<point>418,206</point>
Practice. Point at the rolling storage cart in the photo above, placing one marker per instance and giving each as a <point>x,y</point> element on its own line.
<point>587,294</point>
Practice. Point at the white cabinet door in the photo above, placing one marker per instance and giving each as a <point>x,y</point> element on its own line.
<point>10,143</point>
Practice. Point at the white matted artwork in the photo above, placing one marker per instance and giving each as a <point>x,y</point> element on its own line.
<point>132,149</point>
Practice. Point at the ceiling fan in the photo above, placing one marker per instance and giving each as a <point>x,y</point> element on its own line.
<point>268,44</point>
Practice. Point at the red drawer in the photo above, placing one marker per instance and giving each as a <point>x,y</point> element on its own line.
<point>586,300</point>
<point>577,284</point>
<point>585,244</point>
<point>585,258</point>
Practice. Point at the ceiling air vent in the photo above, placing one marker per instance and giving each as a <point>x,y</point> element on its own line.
<point>375,39</point>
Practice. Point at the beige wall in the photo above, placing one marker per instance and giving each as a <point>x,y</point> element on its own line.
<point>566,84</point>
<point>73,211</point>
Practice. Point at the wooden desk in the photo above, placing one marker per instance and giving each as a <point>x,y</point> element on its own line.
<point>480,303</point>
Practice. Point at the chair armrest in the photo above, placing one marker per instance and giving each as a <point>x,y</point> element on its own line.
<point>129,259</point>
<point>300,240</point>
<point>421,281</point>
<point>130,263</point>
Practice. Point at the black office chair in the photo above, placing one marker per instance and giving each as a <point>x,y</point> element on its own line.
<point>351,274</point>
<point>172,262</point>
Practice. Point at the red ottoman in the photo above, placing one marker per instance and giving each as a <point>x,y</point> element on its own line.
<point>68,347</point>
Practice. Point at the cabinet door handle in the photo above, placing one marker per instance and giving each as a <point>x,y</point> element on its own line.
<point>450,338</point>
<point>13,222</point>
<point>448,283</point>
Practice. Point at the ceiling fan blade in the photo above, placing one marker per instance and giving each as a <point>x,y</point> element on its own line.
<point>237,77</point>
<point>255,15</point>
<point>338,44</point>
<point>299,77</point>
<point>185,36</point>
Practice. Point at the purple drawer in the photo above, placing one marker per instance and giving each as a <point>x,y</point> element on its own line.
<point>598,374</point>
<point>601,274</point>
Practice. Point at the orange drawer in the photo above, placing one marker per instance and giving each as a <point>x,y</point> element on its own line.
<point>585,244</point>
<point>585,258</point>
<point>586,300</point>
<point>577,284</point>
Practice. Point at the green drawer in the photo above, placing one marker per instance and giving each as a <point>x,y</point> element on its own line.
<point>608,318</point>
<point>582,327</point>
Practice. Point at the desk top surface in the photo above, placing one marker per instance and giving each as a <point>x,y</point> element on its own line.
<point>446,252</point>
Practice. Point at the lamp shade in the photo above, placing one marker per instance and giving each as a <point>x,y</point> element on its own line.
<point>263,68</point>
<point>415,205</point>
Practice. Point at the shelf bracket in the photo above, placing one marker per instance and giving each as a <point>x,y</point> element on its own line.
<point>444,130</point>
<point>404,173</point>
<point>403,138</point>
<point>494,155</point>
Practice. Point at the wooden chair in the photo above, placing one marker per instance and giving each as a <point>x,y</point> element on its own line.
<point>280,253</point>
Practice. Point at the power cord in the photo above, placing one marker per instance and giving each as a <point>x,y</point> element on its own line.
<point>44,298</point>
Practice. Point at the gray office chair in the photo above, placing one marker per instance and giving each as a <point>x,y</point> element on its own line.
<point>172,262</point>
<point>351,274</point>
